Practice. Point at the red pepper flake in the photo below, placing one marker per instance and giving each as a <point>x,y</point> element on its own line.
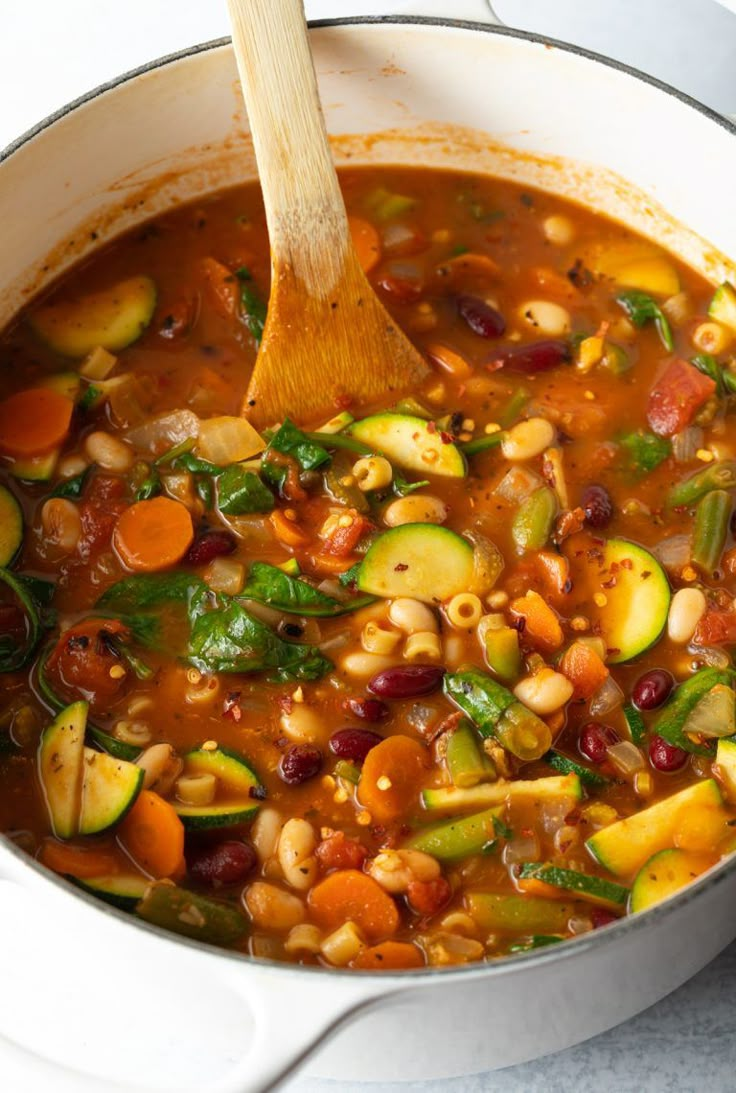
<point>401,567</point>
<point>286,702</point>
<point>431,426</point>
<point>626,563</point>
<point>646,574</point>
<point>231,708</point>
<point>611,583</point>
<point>612,652</point>
<point>494,366</point>
<point>446,438</point>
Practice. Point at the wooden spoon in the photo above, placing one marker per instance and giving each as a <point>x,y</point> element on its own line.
<point>327,336</point>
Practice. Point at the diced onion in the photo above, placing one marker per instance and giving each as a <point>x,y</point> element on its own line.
<point>164,432</point>
<point>517,484</point>
<point>487,564</point>
<point>687,443</point>
<point>521,848</point>
<point>673,553</point>
<point>399,237</point>
<point>228,439</point>
<point>609,696</point>
<point>626,757</point>
<point>714,657</point>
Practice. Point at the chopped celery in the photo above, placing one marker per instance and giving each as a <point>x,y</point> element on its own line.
<point>466,762</point>
<point>497,712</point>
<point>712,521</point>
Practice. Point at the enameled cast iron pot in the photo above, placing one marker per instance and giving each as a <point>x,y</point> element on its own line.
<point>404,90</point>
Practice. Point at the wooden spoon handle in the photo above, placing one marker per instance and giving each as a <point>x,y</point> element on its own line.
<point>305,211</point>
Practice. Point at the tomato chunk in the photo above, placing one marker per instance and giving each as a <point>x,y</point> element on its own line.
<point>676,397</point>
<point>716,628</point>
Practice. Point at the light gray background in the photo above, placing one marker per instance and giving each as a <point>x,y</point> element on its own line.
<point>54,50</point>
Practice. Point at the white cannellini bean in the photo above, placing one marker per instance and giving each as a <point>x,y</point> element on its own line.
<point>61,523</point>
<point>159,763</point>
<point>296,853</point>
<point>273,908</point>
<point>412,616</point>
<point>264,834</point>
<point>545,691</point>
<point>686,610</point>
<point>527,439</point>
<point>546,317</point>
<point>395,870</point>
<point>69,466</point>
<point>303,724</point>
<point>415,509</point>
<point>363,665</point>
<point>558,230</point>
<point>109,452</point>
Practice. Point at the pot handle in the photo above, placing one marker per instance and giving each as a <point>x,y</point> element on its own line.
<point>290,1013</point>
<point>474,11</point>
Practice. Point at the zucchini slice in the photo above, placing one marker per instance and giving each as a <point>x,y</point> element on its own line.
<point>11,527</point>
<point>60,767</point>
<point>457,839</point>
<point>423,561</point>
<point>114,317</point>
<point>723,305</point>
<point>122,890</point>
<point>635,604</point>
<point>192,915</point>
<point>626,845</point>
<point>664,874</point>
<point>411,443</point>
<point>35,468</point>
<point>604,893</point>
<point>238,784</point>
<point>724,767</point>
<point>109,788</point>
<point>490,794</point>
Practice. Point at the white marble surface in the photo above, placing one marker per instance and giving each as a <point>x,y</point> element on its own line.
<point>51,52</point>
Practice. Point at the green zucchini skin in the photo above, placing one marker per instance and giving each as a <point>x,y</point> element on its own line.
<point>457,839</point>
<point>423,561</point>
<point>11,527</point>
<point>583,885</point>
<point>671,722</point>
<point>239,781</point>
<point>564,765</point>
<point>113,318</point>
<point>120,889</point>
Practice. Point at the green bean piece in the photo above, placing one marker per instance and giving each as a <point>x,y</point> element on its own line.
<point>482,443</point>
<point>348,771</point>
<point>345,492</point>
<point>533,521</point>
<point>635,723</point>
<point>467,763</point>
<point>503,653</point>
<point>517,913</point>
<point>192,915</point>
<point>513,407</point>
<point>712,518</point>
<point>496,712</point>
<point>716,476</point>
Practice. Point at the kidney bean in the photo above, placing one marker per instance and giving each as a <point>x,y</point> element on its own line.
<point>367,709</point>
<point>406,681</point>
<point>223,864</point>
<point>597,505</point>
<point>482,319</point>
<point>652,689</point>
<point>426,897</point>
<point>599,916</point>
<point>595,738</point>
<point>535,357</point>
<point>210,545</point>
<point>353,744</point>
<point>666,757</point>
<point>300,763</point>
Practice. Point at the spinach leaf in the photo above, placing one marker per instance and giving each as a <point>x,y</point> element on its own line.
<point>641,308</point>
<point>26,591</point>
<point>72,487</point>
<point>188,462</point>
<point>253,307</point>
<point>182,448</point>
<point>149,486</point>
<point>88,400</point>
<point>645,450</point>
<point>269,584</point>
<point>289,440</point>
<point>350,576</point>
<point>135,594</point>
<point>233,640</point>
<point>240,492</point>
<point>402,487</point>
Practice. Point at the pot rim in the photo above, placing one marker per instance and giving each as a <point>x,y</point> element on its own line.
<point>500,966</point>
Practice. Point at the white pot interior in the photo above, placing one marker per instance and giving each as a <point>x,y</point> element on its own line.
<point>497,104</point>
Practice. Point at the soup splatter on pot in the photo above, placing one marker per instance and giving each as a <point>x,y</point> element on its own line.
<point>431,682</point>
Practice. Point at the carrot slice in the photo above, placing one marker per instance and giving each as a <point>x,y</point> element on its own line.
<point>153,835</point>
<point>78,861</point>
<point>366,241</point>
<point>389,955</point>
<point>349,895</point>
<point>153,534</point>
<point>222,287</point>
<point>34,421</point>
<point>393,773</point>
<point>287,531</point>
<point>542,627</point>
<point>584,668</point>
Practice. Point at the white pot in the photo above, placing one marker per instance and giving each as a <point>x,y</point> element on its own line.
<point>394,91</point>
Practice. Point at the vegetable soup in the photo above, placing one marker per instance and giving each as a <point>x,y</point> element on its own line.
<point>431,682</point>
